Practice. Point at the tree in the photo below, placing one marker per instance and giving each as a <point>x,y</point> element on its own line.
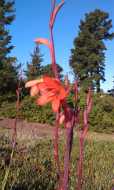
<point>47,70</point>
<point>88,55</point>
<point>34,68</point>
<point>8,73</point>
<point>111,91</point>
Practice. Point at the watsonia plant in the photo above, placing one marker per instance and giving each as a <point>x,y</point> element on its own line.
<point>51,90</point>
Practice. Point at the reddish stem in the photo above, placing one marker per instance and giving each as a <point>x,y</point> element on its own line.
<point>82,136</point>
<point>69,114</point>
<point>53,2</point>
<point>69,139</point>
<point>80,162</point>
<point>56,153</point>
<point>14,135</point>
<point>54,69</point>
<point>69,125</point>
<point>52,52</point>
<point>18,93</point>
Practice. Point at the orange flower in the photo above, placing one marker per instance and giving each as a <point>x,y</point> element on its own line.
<point>43,41</point>
<point>61,118</point>
<point>33,84</point>
<point>51,90</point>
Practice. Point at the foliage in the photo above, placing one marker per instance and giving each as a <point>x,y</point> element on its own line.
<point>28,111</point>
<point>88,55</point>
<point>8,73</point>
<point>8,110</point>
<point>111,91</point>
<point>33,168</point>
<point>34,68</point>
<point>47,70</point>
<point>32,112</point>
<point>102,115</point>
<point>101,118</point>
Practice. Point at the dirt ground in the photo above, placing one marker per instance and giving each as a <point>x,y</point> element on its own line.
<point>27,132</point>
<point>30,132</point>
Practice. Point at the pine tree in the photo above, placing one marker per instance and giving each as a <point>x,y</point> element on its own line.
<point>111,91</point>
<point>88,55</point>
<point>34,68</point>
<point>47,70</point>
<point>8,74</point>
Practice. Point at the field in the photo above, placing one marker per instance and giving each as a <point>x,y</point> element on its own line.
<point>33,168</point>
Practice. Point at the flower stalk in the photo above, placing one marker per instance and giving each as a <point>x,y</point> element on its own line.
<point>51,90</point>
<point>82,135</point>
<point>14,136</point>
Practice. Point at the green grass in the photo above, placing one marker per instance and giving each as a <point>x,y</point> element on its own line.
<point>34,168</point>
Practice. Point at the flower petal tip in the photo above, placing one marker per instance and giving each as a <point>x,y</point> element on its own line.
<point>42,41</point>
<point>33,82</point>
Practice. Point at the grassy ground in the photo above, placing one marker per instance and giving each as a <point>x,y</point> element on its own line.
<point>33,168</point>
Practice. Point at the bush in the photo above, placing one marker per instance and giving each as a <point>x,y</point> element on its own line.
<point>101,118</point>
<point>102,115</point>
<point>34,113</point>
<point>28,111</point>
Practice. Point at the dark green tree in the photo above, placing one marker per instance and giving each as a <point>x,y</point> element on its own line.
<point>47,70</point>
<point>111,91</point>
<point>8,73</point>
<point>88,55</point>
<point>34,68</point>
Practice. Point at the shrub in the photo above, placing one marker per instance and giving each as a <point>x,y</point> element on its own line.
<point>34,113</point>
<point>102,115</point>
<point>28,110</point>
<point>101,118</point>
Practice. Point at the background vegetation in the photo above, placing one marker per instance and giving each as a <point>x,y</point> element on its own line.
<point>101,118</point>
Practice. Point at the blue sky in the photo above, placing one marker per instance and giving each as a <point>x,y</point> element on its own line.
<point>31,21</point>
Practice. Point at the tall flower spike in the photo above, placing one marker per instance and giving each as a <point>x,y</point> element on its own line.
<point>82,135</point>
<point>53,3</point>
<point>55,10</point>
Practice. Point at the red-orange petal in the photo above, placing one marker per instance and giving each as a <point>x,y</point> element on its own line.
<point>55,104</point>
<point>43,41</point>
<point>45,98</point>
<point>62,93</point>
<point>34,90</point>
<point>62,118</point>
<point>33,82</point>
<point>51,82</point>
